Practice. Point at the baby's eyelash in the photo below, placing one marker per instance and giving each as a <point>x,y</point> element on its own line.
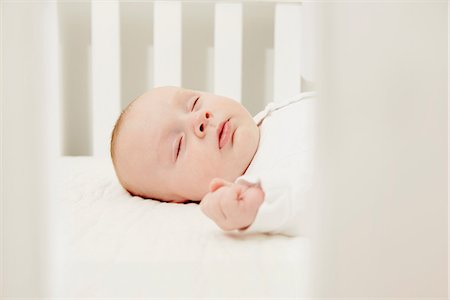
<point>195,102</point>
<point>179,146</point>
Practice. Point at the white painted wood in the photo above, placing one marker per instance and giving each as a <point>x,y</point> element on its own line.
<point>167,43</point>
<point>105,72</point>
<point>308,57</point>
<point>228,50</point>
<point>29,143</point>
<point>210,69</point>
<point>287,77</point>
<point>53,120</point>
<point>51,211</point>
<point>150,68</point>
<point>268,81</point>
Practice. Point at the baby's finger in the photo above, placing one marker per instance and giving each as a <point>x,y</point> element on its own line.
<point>229,203</point>
<point>211,207</point>
<point>254,197</point>
<point>240,190</point>
<point>217,183</point>
<point>236,217</point>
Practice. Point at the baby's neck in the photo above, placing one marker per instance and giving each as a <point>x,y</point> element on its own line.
<point>251,160</point>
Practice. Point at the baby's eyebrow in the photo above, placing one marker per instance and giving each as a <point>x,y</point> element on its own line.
<point>178,98</point>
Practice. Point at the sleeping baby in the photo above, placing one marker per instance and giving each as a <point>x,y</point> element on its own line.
<point>249,174</point>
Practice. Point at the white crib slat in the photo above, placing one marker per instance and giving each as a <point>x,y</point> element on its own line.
<point>54,120</point>
<point>105,72</point>
<point>29,142</point>
<point>228,50</point>
<point>167,43</point>
<point>287,78</point>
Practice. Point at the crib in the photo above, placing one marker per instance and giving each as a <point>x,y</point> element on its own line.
<point>199,46</point>
<point>100,55</point>
<point>69,68</point>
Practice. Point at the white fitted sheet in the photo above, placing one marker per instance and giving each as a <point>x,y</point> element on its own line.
<point>109,244</point>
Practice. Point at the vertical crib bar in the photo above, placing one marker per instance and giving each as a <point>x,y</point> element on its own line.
<point>228,50</point>
<point>167,43</point>
<point>287,78</point>
<point>105,72</point>
<point>54,122</point>
<point>30,142</point>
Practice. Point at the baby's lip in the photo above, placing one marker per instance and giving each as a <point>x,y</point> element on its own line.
<point>219,130</point>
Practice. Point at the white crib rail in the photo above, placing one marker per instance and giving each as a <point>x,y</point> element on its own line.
<point>167,56</point>
<point>105,72</point>
<point>167,43</point>
<point>228,50</point>
<point>287,78</point>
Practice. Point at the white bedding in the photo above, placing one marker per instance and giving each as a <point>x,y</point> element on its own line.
<point>110,244</point>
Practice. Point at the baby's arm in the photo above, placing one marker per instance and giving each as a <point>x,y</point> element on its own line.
<point>232,205</point>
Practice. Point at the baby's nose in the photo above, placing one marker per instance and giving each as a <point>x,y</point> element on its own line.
<point>201,123</point>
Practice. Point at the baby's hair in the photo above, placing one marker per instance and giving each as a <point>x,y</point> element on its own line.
<point>113,146</point>
<point>114,135</point>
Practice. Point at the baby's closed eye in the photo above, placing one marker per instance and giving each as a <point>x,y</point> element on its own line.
<point>195,103</point>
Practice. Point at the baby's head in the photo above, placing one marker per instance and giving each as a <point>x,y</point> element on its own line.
<point>170,142</point>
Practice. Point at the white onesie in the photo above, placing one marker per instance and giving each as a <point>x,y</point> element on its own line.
<point>282,165</point>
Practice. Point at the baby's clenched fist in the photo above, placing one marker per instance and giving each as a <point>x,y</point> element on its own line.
<point>232,205</point>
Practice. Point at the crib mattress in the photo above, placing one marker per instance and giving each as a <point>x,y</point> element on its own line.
<point>111,245</point>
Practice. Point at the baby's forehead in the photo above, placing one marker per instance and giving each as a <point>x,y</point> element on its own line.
<point>146,122</point>
<point>152,112</point>
<point>157,99</point>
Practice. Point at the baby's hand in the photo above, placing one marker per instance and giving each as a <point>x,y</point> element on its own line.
<point>232,205</point>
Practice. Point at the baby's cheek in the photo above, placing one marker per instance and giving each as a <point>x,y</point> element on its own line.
<point>197,180</point>
<point>204,167</point>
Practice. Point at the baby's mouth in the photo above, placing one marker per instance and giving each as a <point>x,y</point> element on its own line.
<point>223,133</point>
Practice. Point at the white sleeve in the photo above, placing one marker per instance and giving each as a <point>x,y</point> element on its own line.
<point>283,209</point>
<point>284,170</point>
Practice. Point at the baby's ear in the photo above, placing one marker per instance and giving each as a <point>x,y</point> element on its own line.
<point>217,183</point>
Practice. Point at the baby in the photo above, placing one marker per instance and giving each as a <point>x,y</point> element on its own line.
<point>179,145</point>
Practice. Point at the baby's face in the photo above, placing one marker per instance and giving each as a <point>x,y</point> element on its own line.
<point>174,141</point>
